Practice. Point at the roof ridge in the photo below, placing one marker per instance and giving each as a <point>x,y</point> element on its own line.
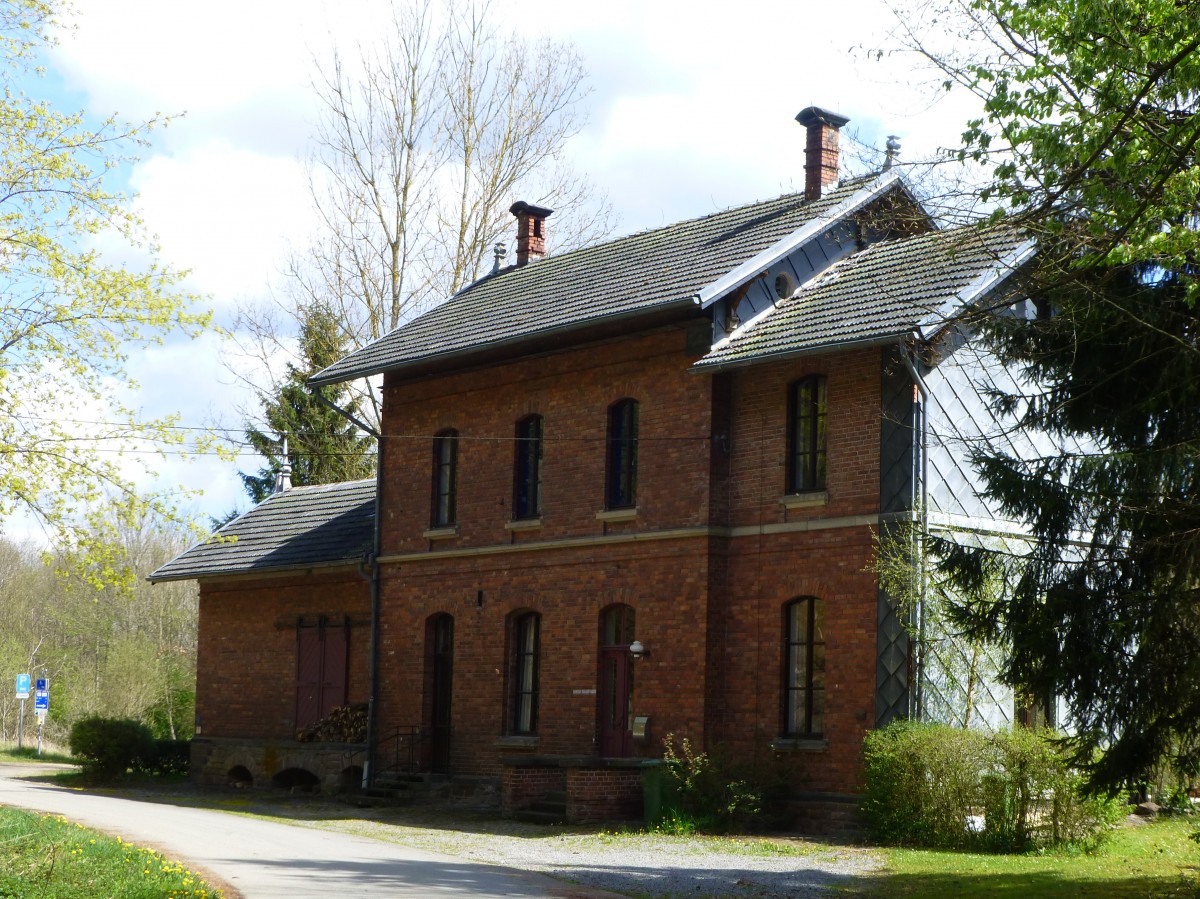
<point>568,255</point>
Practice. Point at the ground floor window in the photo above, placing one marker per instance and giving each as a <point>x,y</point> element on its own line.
<point>804,668</point>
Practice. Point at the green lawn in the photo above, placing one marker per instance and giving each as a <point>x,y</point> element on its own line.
<point>1152,860</point>
<point>49,857</point>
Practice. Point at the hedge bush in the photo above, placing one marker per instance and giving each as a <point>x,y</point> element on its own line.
<point>945,787</point>
<point>109,747</point>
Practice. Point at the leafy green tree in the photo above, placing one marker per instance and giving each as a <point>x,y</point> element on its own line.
<point>1090,126</point>
<point>68,316</point>
<point>323,447</point>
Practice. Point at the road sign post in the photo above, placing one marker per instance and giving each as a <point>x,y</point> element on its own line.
<point>41,706</point>
<point>22,694</point>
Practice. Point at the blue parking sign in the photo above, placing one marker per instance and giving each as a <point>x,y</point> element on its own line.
<point>22,686</point>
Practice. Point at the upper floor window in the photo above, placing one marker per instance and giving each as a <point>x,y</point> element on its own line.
<point>525,648</point>
<point>804,668</point>
<point>445,479</point>
<point>621,477</point>
<point>806,435</point>
<point>527,486</point>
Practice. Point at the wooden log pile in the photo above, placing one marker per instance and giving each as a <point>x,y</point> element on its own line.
<point>345,724</point>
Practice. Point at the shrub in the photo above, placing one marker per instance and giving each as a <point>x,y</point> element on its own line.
<point>109,747</point>
<point>945,787</point>
<point>172,757</point>
<point>922,782</point>
<point>712,792</point>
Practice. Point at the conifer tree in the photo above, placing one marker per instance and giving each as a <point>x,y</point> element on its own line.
<point>323,447</point>
<point>1091,125</point>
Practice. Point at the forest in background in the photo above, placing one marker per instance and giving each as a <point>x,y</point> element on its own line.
<point>111,644</point>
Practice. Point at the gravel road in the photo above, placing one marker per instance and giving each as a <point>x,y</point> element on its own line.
<point>638,864</point>
<point>646,865</point>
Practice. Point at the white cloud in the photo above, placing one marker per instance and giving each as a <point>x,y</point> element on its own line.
<point>227,214</point>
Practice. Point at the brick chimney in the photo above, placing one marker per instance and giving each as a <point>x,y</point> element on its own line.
<point>531,231</point>
<point>820,149</point>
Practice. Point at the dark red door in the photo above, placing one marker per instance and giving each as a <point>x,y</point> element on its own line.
<point>322,657</point>
<point>442,692</point>
<point>615,688</point>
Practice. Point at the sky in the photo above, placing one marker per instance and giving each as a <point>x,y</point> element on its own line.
<point>691,110</point>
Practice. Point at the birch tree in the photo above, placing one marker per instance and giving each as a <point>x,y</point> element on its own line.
<point>69,316</point>
<point>423,140</point>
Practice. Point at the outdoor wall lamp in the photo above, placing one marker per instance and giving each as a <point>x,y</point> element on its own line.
<point>638,650</point>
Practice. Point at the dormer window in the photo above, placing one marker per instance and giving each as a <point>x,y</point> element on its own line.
<point>785,285</point>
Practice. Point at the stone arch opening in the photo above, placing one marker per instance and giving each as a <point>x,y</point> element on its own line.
<point>298,780</point>
<point>240,777</point>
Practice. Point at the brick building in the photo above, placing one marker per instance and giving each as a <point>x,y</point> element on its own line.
<point>624,492</point>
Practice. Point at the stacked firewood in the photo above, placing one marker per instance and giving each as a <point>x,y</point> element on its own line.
<point>345,724</point>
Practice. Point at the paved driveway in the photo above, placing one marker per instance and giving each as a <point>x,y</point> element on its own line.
<point>266,860</point>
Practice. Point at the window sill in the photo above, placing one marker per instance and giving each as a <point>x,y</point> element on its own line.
<point>800,744</point>
<point>518,741</point>
<point>523,524</point>
<point>441,533</point>
<point>617,514</point>
<point>805,500</point>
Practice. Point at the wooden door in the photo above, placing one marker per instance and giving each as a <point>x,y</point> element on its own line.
<point>614,693</point>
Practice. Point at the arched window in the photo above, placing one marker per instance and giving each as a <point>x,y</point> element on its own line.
<point>527,472</point>
<point>806,435</point>
<point>804,668</point>
<point>526,648</point>
<point>621,475</point>
<point>445,479</point>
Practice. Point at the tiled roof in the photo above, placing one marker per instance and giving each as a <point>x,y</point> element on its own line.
<point>886,290</point>
<point>305,527</point>
<point>643,272</point>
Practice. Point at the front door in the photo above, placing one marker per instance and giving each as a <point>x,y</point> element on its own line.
<point>615,690</point>
<point>441,692</point>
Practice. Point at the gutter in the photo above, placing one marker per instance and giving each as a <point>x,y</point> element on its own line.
<point>321,380</point>
<point>703,368</point>
<point>921,496</point>
<point>369,569</point>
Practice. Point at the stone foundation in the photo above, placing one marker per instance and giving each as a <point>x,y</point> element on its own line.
<point>286,764</point>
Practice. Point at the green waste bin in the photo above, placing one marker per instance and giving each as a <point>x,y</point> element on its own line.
<point>658,791</point>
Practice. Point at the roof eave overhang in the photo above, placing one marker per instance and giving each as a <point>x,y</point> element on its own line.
<point>814,350</point>
<point>756,265</point>
<point>156,578</point>
<point>598,328</point>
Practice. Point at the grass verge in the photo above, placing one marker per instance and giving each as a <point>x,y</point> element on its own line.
<point>1147,860</point>
<point>10,753</point>
<point>49,857</point>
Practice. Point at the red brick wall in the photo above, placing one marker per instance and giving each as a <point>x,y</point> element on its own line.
<point>664,581</point>
<point>603,794</point>
<point>572,391</point>
<point>520,786</point>
<point>246,655</point>
<point>760,574</point>
<point>708,608</point>
<point>758,460</point>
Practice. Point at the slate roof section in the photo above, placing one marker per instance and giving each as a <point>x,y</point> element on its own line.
<point>640,273</point>
<point>889,289</point>
<point>304,527</point>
